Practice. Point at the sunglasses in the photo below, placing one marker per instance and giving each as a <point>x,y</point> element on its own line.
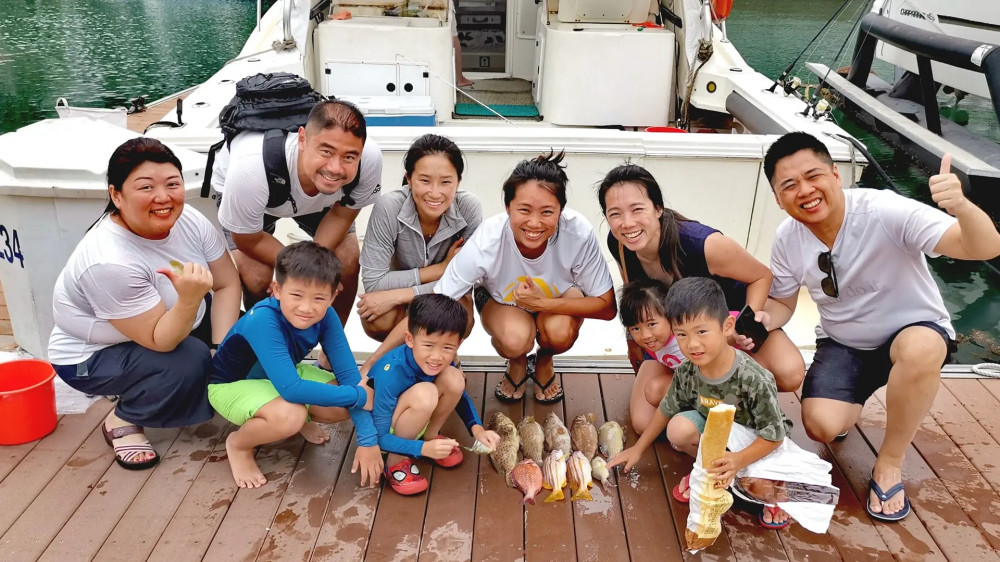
<point>829,283</point>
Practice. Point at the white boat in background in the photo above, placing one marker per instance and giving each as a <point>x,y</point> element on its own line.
<point>602,76</point>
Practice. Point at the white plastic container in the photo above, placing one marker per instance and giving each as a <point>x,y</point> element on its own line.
<point>53,186</point>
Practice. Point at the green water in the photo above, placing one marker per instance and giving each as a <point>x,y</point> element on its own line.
<point>102,53</point>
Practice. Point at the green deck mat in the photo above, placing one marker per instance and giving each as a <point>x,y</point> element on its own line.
<point>477,110</point>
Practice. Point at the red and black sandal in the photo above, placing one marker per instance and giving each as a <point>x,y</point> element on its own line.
<point>453,459</point>
<point>126,453</point>
<point>404,477</point>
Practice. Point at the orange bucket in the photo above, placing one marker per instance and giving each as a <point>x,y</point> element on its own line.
<point>27,401</point>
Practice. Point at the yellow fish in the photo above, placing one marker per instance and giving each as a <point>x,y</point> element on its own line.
<point>580,479</point>
<point>554,475</point>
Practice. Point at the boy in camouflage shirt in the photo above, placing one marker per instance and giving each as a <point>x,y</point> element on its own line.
<point>713,373</point>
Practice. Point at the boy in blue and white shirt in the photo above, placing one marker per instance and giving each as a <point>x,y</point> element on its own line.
<point>417,388</point>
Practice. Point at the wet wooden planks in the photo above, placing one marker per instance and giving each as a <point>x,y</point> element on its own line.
<point>65,499</point>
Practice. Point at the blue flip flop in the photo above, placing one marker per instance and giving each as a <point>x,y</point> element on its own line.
<point>884,497</point>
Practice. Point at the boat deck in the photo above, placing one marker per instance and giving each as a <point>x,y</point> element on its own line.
<point>65,499</point>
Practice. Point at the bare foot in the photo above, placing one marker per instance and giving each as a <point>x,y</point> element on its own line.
<point>886,478</point>
<point>464,82</point>
<point>246,473</point>
<point>777,518</point>
<point>315,433</point>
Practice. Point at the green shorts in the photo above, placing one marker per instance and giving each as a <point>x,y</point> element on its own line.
<point>239,401</point>
<point>696,418</point>
<point>392,431</point>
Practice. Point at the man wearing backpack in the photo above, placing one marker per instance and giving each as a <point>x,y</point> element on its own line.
<point>334,172</point>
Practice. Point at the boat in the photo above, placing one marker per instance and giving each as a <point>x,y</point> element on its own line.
<point>601,76</point>
<point>932,44</point>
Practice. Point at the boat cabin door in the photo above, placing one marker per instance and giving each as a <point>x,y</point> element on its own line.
<point>497,37</point>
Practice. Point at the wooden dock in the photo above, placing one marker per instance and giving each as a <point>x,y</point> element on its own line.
<point>64,499</point>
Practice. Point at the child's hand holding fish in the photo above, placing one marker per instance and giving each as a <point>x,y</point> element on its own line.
<point>486,437</point>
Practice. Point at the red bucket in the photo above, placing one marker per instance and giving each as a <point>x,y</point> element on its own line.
<point>664,130</point>
<point>27,401</point>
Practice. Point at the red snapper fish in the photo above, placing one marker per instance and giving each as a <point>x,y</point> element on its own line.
<point>528,478</point>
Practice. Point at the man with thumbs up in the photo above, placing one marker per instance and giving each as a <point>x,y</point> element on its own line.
<point>860,253</point>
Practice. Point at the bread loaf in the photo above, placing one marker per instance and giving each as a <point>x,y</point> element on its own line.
<point>708,499</point>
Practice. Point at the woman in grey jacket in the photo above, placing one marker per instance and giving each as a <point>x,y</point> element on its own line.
<point>414,232</point>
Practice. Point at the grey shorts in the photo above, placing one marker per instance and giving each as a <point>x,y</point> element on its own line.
<point>309,223</point>
<point>843,373</point>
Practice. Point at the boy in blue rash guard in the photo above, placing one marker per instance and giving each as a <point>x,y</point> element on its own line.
<point>258,384</point>
<point>417,387</point>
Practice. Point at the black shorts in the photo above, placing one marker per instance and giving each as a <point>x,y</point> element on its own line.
<point>843,373</point>
<point>309,223</point>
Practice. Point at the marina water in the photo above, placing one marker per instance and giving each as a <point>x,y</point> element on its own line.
<point>102,53</point>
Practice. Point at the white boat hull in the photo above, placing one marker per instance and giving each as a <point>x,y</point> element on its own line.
<point>976,20</point>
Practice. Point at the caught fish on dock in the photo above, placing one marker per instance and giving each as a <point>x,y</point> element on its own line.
<point>527,476</point>
<point>579,477</point>
<point>556,434</point>
<point>584,435</point>
<point>504,457</point>
<point>554,474</point>
<point>600,472</point>
<point>532,439</point>
<point>610,439</point>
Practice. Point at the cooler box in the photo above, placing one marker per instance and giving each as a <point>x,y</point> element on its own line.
<point>413,111</point>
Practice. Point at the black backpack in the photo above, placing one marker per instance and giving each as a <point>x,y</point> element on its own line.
<point>277,103</point>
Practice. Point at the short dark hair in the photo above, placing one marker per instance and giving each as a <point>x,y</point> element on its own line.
<point>696,296</point>
<point>436,314</point>
<point>788,145</point>
<point>640,299</point>
<point>307,261</point>
<point>130,155</point>
<point>429,145</point>
<point>546,169</point>
<point>337,114</point>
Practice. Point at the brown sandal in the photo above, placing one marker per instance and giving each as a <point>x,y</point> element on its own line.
<point>125,453</point>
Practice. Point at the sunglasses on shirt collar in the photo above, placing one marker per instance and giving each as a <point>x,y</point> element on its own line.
<point>829,283</point>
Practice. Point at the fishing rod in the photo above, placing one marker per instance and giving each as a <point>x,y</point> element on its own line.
<point>784,74</point>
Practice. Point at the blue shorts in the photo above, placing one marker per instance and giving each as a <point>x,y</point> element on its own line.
<point>843,373</point>
<point>696,418</point>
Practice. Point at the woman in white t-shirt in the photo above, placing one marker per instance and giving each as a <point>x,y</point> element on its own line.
<point>538,272</point>
<point>143,296</point>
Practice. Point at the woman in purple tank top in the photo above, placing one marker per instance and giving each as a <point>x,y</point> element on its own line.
<point>649,240</point>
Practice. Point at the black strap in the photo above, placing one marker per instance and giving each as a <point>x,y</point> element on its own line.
<point>279,183</point>
<point>206,185</point>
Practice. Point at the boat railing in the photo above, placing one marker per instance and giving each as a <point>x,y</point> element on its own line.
<point>926,46</point>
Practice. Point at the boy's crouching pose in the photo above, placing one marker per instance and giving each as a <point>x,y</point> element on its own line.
<point>258,383</point>
<point>417,387</point>
<point>713,373</point>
